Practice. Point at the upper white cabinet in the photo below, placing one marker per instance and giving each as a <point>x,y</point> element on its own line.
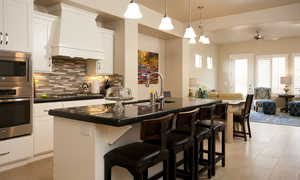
<point>43,30</point>
<point>105,40</point>
<point>16,25</point>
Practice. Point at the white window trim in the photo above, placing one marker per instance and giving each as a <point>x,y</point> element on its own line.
<point>212,59</point>
<point>292,73</point>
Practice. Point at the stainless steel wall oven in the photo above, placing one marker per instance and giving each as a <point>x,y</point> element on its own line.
<point>15,94</point>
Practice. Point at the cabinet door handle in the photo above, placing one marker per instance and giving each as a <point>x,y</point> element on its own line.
<point>1,38</point>
<point>6,41</point>
<point>4,154</point>
<point>50,62</point>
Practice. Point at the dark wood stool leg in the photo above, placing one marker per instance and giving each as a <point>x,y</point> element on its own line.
<point>166,170</point>
<point>244,130</point>
<point>107,170</point>
<point>172,165</point>
<point>223,147</point>
<point>145,175</point>
<point>138,176</point>
<point>186,159</point>
<point>196,159</point>
<point>209,158</point>
<point>201,150</point>
<point>213,158</point>
<point>249,129</point>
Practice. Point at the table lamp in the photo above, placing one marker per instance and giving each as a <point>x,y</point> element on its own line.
<point>286,81</point>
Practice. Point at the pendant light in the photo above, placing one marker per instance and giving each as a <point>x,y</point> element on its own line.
<point>166,22</point>
<point>133,11</point>
<point>192,41</point>
<point>203,39</point>
<point>189,31</point>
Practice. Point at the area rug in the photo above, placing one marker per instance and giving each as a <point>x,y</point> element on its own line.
<point>279,118</point>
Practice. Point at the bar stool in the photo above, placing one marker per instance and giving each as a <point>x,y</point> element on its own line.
<point>179,142</point>
<point>138,157</point>
<point>201,134</point>
<point>206,120</point>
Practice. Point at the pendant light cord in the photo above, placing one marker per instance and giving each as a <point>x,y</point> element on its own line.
<point>165,8</point>
<point>190,9</point>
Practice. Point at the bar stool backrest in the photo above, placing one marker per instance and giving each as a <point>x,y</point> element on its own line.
<point>248,104</point>
<point>187,120</point>
<point>206,113</point>
<point>157,129</point>
<point>220,111</point>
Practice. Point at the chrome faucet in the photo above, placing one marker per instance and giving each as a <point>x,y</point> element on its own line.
<point>147,84</point>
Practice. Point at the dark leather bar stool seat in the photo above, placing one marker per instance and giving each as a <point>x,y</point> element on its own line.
<point>206,115</point>
<point>138,157</point>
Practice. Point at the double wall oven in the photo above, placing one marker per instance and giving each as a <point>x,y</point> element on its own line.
<point>15,94</point>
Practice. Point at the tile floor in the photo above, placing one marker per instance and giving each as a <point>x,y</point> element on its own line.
<point>272,154</point>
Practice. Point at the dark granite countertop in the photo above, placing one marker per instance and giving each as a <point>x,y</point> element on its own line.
<point>134,112</point>
<point>68,98</point>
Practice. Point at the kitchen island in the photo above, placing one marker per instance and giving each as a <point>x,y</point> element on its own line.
<point>83,135</point>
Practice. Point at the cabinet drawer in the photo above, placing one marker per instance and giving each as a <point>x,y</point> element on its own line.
<point>43,108</point>
<point>16,149</point>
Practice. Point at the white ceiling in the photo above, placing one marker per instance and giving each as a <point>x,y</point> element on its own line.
<point>271,31</point>
<point>213,8</point>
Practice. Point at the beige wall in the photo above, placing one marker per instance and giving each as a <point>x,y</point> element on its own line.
<point>152,44</point>
<point>205,77</point>
<point>284,46</point>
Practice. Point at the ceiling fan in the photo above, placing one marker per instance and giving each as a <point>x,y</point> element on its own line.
<point>259,36</point>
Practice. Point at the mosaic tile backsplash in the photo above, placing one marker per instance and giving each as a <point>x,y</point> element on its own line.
<point>65,78</point>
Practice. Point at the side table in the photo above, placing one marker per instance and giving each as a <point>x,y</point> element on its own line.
<point>286,97</point>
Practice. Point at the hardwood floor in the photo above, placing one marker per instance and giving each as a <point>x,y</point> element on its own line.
<point>272,154</point>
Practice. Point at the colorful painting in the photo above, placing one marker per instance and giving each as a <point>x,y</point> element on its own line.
<point>148,63</point>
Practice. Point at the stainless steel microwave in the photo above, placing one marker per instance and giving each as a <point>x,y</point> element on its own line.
<point>15,67</point>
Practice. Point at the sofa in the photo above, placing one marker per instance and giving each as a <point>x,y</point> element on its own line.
<point>225,96</point>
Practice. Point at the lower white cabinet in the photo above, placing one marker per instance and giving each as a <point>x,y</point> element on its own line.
<point>43,127</point>
<point>16,149</point>
<point>43,123</point>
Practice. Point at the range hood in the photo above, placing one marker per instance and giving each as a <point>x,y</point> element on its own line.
<point>76,33</point>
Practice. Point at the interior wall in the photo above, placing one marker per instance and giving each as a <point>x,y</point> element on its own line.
<point>205,77</point>
<point>152,44</point>
<point>287,46</point>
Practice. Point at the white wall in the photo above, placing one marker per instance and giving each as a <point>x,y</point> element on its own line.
<point>152,44</point>
<point>206,77</point>
<point>283,46</point>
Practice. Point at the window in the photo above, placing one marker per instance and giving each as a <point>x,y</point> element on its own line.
<point>209,62</point>
<point>269,71</point>
<point>264,72</point>
<point>198,61</point>
<point>297,74</point>
<point>241,76</point>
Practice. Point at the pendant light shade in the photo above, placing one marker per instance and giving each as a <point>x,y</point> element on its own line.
<point>189,33</point>
<point>206,41</point>
<point>166,22</point>
<point>133,11</point>
<point>192,41</point>
<point>202,39</point>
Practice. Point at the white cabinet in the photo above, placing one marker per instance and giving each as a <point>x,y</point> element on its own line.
<point>103,66</point>
<point>43,127</point>
<point>43,30</point>
<point>16,149</point>
<point>16,24</point>
<point>43,123</point>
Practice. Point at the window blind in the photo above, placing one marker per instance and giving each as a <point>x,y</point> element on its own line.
<point>297,75</point>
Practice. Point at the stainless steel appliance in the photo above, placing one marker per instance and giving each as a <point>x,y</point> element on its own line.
<point>15,94</point>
